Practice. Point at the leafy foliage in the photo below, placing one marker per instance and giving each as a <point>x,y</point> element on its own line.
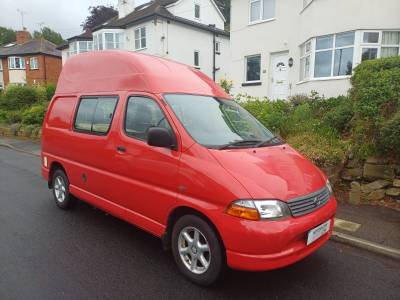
<point>50,35</point>
<point>34,114</point>
<point>7,35</point>
<point>376,97</point>
<point>98,15</point>
<point>226,84</point>
<point>388,141</point>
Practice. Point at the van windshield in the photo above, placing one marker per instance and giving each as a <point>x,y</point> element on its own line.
<point>219,123</point>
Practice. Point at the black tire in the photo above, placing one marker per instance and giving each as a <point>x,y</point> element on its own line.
<point>67,201</point>
<point>216,254</point>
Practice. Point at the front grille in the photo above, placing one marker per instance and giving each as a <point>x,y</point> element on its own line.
<point>306,204</point>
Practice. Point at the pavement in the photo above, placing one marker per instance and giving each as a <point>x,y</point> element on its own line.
<point>48,253</point>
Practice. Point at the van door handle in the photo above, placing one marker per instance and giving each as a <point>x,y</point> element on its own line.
<point>121,149</point>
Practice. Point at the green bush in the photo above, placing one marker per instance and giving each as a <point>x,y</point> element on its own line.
<point>337,113</point>
<point>13,116</point>
<point>376,99</point>
<point>50,90</point>
<point>273,114</point>
<point>34,114</point>
<point>388,141</point>
<point>18,97</point>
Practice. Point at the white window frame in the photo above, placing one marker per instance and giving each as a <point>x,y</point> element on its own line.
<point>12,63</point>
<point>332,49</point>
<point>197,3</point>
<point>198,59</point>
<point>116,37</point>
<point>33,63</point>
<point>379,45</point>
<point>303,57</point>
<point>245,68</point>
<point>261,13</point>
<point>140,37</point>
<point>1,65</point>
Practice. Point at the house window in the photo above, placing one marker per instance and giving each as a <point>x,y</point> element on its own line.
<point>113,40</point>
<point>371,37</point>
<point>196,59</point>
<point>197,10</point>
<point>253,68</point>
<point>33,63</point>
<point>390,43</point>
<point>261,10</point>
<point>15,62</point>
<point>334,55</point>
<point>98,41</point>
<point>72,50</point>
<point>140,38</point>
<point>305,60</point>
<point>218,47</point>
<point>85,46</point>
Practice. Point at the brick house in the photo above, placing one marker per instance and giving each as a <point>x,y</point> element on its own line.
<point>29,61</point>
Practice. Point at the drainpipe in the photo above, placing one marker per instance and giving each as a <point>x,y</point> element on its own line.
<point>213,47</point>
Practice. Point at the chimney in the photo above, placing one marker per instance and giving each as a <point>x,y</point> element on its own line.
<point>23,36</point>
<point>125,7</point>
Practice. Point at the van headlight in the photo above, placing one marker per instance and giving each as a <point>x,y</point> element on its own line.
<point>258,209</point>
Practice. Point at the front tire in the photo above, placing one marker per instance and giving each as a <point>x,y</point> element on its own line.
<point>60,183</point>
<point>197,250</point>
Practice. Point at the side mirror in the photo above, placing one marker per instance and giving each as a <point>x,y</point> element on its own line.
<point>160,137</point>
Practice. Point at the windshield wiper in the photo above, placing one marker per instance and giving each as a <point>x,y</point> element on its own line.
<point>240,143</point>
<point>272,141</point>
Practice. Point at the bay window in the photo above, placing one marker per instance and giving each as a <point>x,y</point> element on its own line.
<point>334,55</point>
<point>390,43</point>
<point>253,68</point>
<point>15,62</point>
<point>305,60</point>
<point>261,10</point>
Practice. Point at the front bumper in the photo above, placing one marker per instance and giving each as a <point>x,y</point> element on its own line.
<point>266,245</point>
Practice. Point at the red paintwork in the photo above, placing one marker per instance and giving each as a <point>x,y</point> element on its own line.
<point>145,184</point>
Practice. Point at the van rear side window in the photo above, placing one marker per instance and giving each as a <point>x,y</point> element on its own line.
<point>95,114</point>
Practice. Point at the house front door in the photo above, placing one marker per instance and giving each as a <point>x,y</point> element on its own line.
<point>279,75</point>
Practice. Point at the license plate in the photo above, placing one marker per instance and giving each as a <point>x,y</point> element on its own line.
<point>317,232</point>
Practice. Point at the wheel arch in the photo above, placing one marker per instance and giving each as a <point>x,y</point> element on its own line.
<point>55,165</point>
<point>179,212</point>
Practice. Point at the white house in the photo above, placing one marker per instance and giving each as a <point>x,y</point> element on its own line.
<point>187,31</point>
<point>288,47</point>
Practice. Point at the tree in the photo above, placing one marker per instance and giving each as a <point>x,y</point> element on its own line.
<point>98,15</point>
<point>7,35</point>
<point>225,7</point>
<point>49,34</point>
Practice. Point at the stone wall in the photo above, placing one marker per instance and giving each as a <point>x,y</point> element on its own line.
<point>372,179</point>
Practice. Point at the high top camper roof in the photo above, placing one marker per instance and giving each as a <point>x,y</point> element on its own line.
<point>118,70</point>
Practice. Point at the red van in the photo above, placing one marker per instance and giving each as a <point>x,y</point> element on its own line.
<point>161,146</point>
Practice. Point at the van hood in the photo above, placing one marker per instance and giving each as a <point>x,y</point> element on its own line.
<point>275,172</point>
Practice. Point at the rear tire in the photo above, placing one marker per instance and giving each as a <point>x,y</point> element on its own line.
<point>60,183</point>
<point>197,250</point>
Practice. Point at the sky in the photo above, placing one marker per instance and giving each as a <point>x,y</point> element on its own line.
<point>63,16</point>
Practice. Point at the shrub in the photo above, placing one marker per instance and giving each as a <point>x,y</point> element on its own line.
<point>226,84</point>
<point>388,141</point>
<point>17,97</point>
<point>34,114</point>
<point>50,90</point>
<point>324,151</point>
<point>336,113</point>
<point>13,116</point>
<point>273,114</point>
<point>376,97</point>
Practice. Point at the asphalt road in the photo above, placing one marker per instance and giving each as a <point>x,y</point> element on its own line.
<point>47,253</point>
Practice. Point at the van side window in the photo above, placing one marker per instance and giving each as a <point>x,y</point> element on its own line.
<point>95,114</point>
<point>141,114</point>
